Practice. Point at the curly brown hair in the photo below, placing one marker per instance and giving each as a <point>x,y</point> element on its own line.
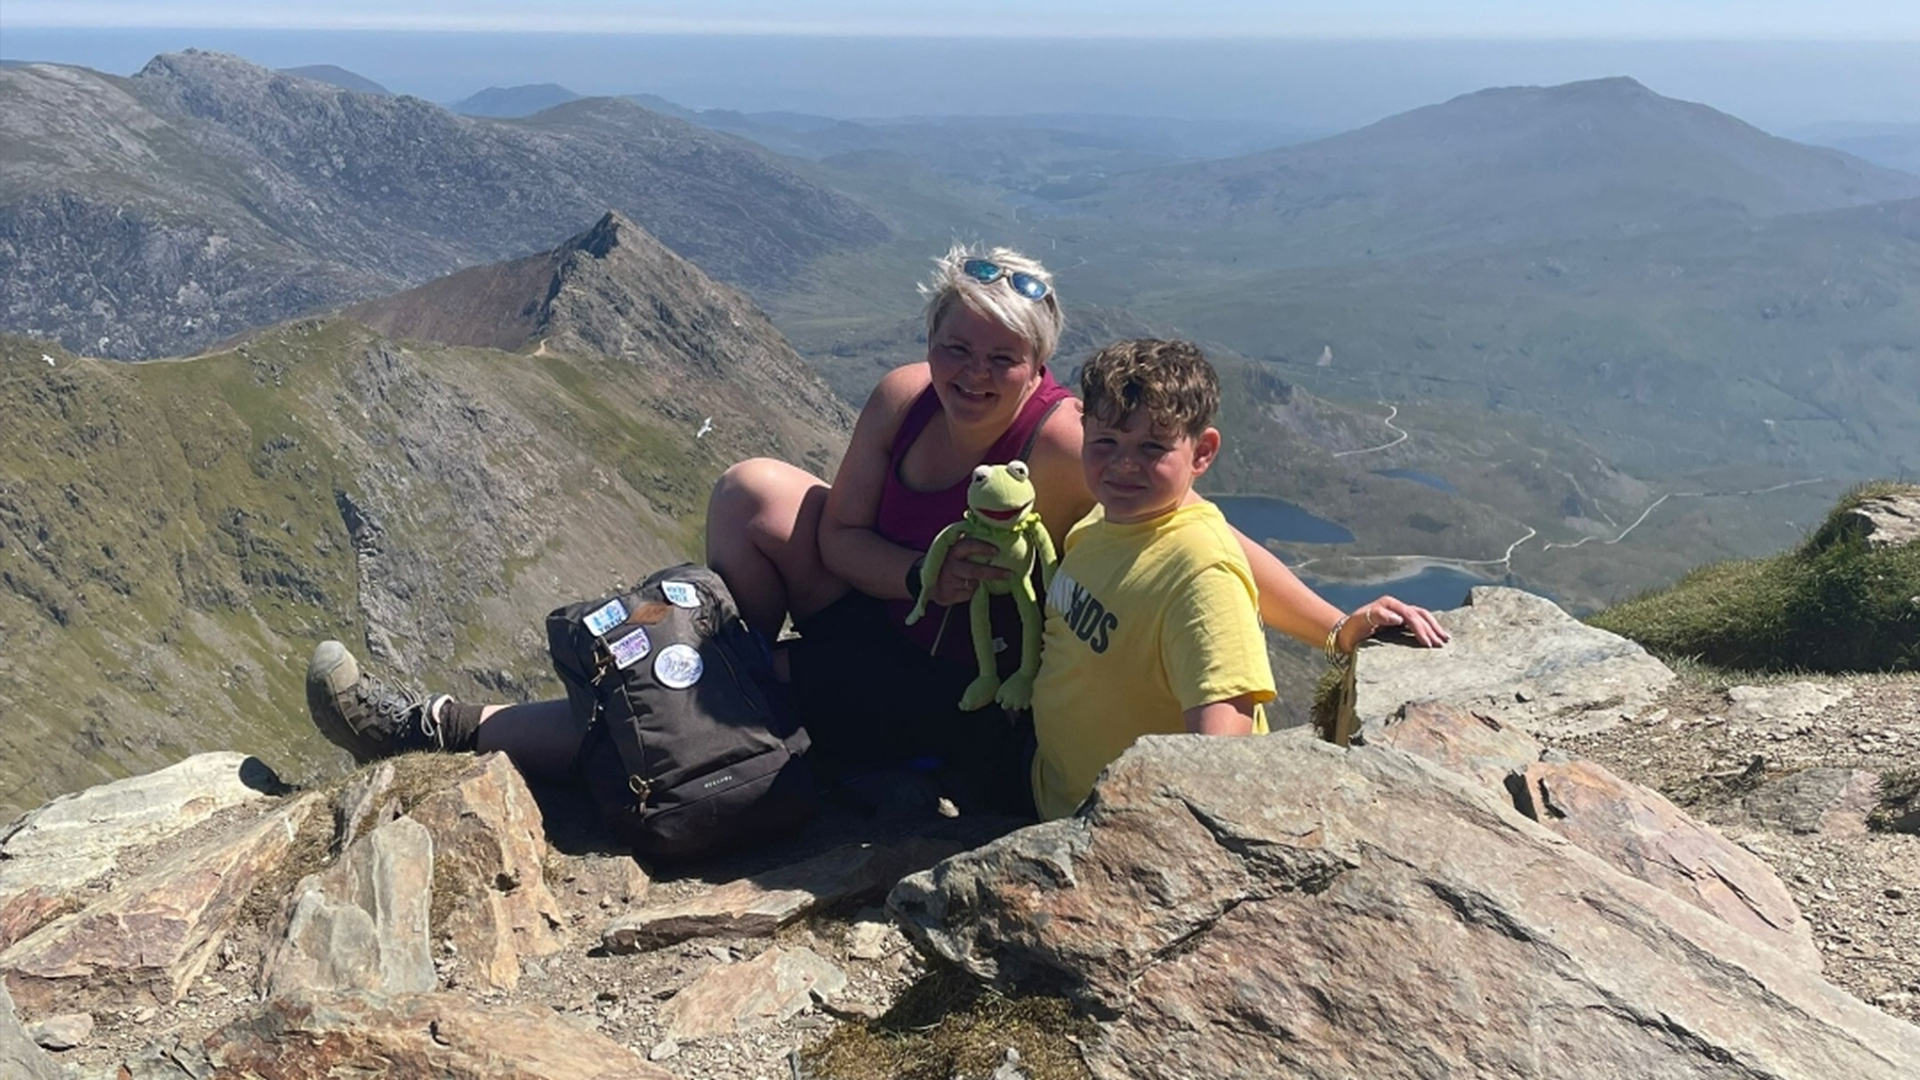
<point>1171,380</point>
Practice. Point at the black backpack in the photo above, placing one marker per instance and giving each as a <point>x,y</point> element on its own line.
<point>691,745</point>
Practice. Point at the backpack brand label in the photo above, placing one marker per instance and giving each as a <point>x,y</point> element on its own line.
<point>631,649</point>
<point>610,615</point>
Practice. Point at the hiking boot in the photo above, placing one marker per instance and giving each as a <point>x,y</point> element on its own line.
<point>368,719</point>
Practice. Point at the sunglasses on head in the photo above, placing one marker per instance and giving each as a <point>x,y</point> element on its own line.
<point>986,272</point>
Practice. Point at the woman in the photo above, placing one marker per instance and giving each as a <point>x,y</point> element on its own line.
<point>842,560</point>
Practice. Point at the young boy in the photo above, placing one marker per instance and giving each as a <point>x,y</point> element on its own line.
<point>1152,625</point>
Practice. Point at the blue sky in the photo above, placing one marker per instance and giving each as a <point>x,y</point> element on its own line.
<point>1870,20</point>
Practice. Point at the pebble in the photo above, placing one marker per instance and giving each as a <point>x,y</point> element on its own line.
<point>663,1050</point>
<point>1894,892</point>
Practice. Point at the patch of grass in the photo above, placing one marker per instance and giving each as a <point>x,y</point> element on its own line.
<point>949,1026</point>
<point>1834,604</point>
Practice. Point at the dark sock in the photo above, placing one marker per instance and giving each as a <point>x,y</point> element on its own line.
<point>459,725</point>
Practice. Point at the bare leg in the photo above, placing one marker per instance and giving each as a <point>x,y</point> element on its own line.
<point>763,539</point>
<point>539,737</point>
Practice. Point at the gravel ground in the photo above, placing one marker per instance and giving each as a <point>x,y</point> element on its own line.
<point>1859,890</point>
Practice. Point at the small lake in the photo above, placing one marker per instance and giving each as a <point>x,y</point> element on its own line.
<point>1265,518</point>
<point>1417,477</point>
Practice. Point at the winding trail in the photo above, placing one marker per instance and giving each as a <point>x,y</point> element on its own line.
<point>1392,411</point>
<point>1644,514</point>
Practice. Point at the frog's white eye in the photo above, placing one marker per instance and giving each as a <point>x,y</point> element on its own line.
<point>1017,470</point>
<point>981,474</point>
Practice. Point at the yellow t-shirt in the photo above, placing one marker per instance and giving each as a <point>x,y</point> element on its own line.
<point>1143,622</point>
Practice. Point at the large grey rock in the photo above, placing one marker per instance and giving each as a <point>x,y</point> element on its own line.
<point>1888,520</point>
<point>1822,800</point>
<point>490,851</point>
<point>78,838</point>
<point>362,925</point>
<point>1783,708</point>
<point>759,905</point>
<point>1638,832</point>
<point>766,990</point>
<point>144,941</point>
<point>1282,908</point>
<point>1521,660</point>
<point>20,1059</point>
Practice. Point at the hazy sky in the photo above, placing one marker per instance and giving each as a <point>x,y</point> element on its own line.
<point>1314,67</point>
<point>1874,20</point>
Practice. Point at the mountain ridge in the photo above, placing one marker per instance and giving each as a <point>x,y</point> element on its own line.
<point>160,213</point>
<point>175,535</point>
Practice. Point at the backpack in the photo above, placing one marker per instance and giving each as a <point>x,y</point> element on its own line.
<point>691,746</point>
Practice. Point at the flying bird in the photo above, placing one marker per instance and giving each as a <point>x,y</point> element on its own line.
<point>48,359</point>
<point>705,426</point>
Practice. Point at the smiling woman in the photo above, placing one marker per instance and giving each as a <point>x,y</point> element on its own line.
<point>843,561</point>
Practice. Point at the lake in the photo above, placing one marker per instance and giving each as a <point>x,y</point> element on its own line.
<point>1265,518</point>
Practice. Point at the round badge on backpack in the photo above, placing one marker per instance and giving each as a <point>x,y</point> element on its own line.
<point>678,667</point>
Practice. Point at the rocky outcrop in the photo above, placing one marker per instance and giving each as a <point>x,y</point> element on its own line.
<point>1280,907</point>
<point>1520,659</point>
<point>1886,520</point>
<point>1636,831</point>
<point>75,839</point>
<point>145,941</point>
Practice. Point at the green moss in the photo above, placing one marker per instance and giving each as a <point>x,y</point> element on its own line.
<point>948,1025</point>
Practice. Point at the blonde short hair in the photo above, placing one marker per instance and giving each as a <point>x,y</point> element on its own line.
<point>1038,322</point>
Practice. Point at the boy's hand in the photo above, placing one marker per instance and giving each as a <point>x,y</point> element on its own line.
<point>1395,620</point>
<point>965,567</point>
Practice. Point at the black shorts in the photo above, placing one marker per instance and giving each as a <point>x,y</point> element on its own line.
<point>872,699</point>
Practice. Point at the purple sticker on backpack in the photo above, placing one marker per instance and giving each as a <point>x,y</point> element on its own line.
<point>631,649</point>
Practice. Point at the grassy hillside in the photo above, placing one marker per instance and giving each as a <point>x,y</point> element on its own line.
<point>1835,603</point>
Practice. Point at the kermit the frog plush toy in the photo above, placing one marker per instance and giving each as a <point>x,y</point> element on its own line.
<point>1000,512</point>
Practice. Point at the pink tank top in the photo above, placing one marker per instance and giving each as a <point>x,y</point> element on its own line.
<point>913,518</point>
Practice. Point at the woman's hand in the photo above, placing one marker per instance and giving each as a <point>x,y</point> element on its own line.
<point>965,568</point>
<point>1390,613</point>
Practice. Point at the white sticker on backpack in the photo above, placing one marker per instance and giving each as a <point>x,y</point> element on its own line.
<point>681,594</point>
<point>631,649</point>
<point>610,615</point>
<point>678,667</point>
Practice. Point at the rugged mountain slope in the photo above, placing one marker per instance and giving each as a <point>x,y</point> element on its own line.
<point>174,536</point>
<point>1601,158</point>
<point>156,214</point>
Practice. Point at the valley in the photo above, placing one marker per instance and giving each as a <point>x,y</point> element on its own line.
<point>399,385</point>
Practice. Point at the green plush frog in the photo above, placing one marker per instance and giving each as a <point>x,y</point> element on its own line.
<point>1000,512</point>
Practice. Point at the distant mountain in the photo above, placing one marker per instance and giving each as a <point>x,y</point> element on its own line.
<point>340,77</point>
<point>514,101</point>
<point>158,214</point>
<point>1047,157</point>
<point>1897,146</point>
<point>1505,166</point>
<point>175,536</point>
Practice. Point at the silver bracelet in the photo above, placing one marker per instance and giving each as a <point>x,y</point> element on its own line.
<point>1332,645</point>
